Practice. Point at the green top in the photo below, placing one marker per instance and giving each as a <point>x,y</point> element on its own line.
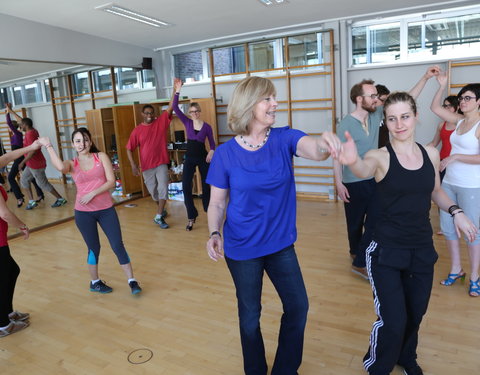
<point>364,142</point>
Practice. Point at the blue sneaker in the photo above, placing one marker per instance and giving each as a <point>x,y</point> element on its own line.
<point>59,202</point>
<point>161,222</point>
<point>135,287</point>
<point>100,287</point>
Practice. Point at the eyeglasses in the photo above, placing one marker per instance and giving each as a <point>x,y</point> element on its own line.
<point>197,111</point>
<point>466,98</point>
<point>373,96</point>
<point>448,105</point>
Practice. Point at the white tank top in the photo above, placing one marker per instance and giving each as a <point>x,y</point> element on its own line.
<point>459,173</point>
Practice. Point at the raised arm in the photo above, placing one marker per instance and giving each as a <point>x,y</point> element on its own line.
<point>15,154</point>
<point>63,166</point>
<point>437,101</point>
<point>318,148</point>
<point>170,104</point>
<point>10,110</point>
<point>362,168</point>
<point>436,138</point>
<point>177,85</point>
<point>417,89</point>
<point>10,124</point>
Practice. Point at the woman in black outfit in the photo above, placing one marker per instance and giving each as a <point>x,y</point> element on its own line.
<point>197,131</point>
<point>401,257</point>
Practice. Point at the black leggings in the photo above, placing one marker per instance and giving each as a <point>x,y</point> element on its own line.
<point>187,177</point>
<point>9,271</point>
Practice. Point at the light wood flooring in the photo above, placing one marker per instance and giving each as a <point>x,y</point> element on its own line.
<point>187,316</point>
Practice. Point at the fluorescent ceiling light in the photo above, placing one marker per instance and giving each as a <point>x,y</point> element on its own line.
<point>272,2</point>
<point>132,15</point>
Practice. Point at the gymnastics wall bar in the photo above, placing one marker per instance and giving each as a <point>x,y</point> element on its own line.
<point>290,105</point>
<point>454,66</point>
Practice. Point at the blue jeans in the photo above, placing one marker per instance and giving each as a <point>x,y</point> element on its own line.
<point>284,271</point>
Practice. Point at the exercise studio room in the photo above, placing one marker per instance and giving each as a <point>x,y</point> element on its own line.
<point>260,187</point>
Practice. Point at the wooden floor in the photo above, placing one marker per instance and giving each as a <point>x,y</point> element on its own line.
<point>186,316</point>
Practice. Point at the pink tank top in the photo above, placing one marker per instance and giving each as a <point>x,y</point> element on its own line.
<point>88,181</point>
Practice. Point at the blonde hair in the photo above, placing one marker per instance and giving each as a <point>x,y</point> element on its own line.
<point>245,97</point>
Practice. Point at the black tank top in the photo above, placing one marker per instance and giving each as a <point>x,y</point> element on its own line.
<point>404,197</point>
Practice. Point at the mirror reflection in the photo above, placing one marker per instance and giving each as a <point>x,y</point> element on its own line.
<point>56,97</point>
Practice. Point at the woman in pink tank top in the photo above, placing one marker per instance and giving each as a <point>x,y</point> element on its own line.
<point>93,175</point>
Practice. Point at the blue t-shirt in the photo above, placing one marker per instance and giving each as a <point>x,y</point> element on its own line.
<point>261,211</point>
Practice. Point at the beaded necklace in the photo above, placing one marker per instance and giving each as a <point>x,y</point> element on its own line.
<point>260,144</point>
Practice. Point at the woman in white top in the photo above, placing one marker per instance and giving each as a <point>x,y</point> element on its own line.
<point>462,178</point>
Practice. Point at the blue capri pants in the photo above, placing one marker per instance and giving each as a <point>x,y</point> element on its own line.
<point>87,224</point>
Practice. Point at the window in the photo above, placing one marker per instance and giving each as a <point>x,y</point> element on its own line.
<point>101,80</point>
<point>189,66</point>
<point>33,93</point>
<point>376,43</point>
<point>417,37</point>
<point>148,79</point>
<point>3,98</point>
<point>445,37</point>
<point>80,83</point>
<point>17,95</point>
<point>127,78</point>
<point>46,84</point>
<point>265,55</point>
<point>229,60</point>
<point>305,49</point>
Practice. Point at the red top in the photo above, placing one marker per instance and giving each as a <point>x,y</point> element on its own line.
<point>3,223</point>
<point>445,137</point>
<point>88,181</point>
<point>38,160</point>
<point>152,140</point>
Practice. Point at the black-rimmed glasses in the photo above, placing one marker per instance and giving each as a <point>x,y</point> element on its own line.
<point>467,98</point>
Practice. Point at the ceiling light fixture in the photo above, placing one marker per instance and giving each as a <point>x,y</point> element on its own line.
<point>272,2</point>
<point>132,15</point>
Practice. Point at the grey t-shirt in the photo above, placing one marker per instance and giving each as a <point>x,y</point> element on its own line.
<point>365,142</point>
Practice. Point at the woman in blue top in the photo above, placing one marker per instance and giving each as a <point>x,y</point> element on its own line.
<point>253,172</point>
<point>197,132</point>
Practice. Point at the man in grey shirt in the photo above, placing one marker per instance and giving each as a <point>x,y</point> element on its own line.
<point>358,195</point>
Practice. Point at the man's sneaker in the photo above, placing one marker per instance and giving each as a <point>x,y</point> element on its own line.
<point>14,326</point>
<point>59,202</point>
<point>414,370</point>
<point>17,315</point>
<point>135,287</point>
<point>100,287</point>
<point>161,222</point>
<point>31,205</point>
<point>360,271</point>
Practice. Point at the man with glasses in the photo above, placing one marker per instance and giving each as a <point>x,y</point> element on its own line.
<point>151,137</point>
<point>358,195</point>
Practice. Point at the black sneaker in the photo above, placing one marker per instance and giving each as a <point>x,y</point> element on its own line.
<point>135,287</point>
<point>164,214</point>
<point>413,370</point>
<point>100,287</point>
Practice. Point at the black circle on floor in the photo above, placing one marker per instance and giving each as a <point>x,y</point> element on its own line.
<point>140,356</point>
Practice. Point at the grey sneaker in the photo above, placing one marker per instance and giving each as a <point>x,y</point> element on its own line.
<point>135,287</point>
<point>31,205</point>
<point>161,222</point>
<point>14,326</point>
<point>59,202</point>
<point>100,287</point>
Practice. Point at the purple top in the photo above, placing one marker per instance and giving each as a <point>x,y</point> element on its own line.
<point>204,132</point>
<point>17,137</point>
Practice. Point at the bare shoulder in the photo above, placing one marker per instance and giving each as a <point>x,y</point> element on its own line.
<point>432,152</point>
<point>378,153</point>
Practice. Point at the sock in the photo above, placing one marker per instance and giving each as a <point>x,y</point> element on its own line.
<point>95,281</point>
<point>130,280</point>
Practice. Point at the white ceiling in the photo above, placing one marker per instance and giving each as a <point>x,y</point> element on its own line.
<point>199,20</point>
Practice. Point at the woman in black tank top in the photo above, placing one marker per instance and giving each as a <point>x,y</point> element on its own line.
<point>401,257</point>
